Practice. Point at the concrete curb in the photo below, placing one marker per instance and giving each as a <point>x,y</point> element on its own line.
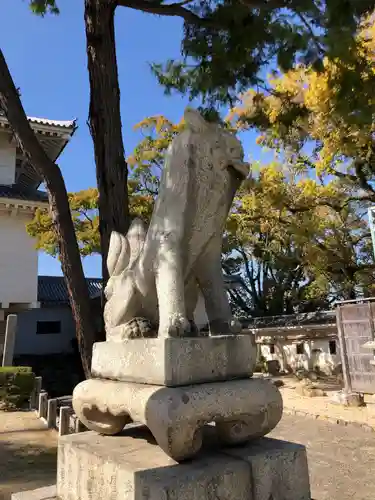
<point>326,418</point>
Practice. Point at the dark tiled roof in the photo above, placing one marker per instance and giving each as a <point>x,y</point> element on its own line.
<point>290,320</point>
<point>52,289</point>
<point>19,193</point>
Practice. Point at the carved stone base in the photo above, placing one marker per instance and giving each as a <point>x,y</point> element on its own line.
<point>131,466</point>
<point>241,410</point>
<point>174,362</point>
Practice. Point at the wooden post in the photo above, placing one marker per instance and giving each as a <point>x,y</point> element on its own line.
<point>64,420</point>
<point>51,413</point>
<point>344,352</point>
<point>43,402</point>
<point>10,338</point>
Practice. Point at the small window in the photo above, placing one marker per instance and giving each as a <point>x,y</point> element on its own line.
<point>47,327</point>
<point>300,348</point>
<point>332,347</point>
<point>272,348</point>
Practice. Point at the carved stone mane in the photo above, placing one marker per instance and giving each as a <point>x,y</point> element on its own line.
<point>155,274</point>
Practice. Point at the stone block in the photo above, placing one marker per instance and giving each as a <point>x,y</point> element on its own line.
<point>273,366</point>
<point>241,409</point>
<point>348,399</point>
<point>309,390</point>
<point>132,467</point>
<point>175,361</point>
<point>279,469</point>
<point>46,493</point>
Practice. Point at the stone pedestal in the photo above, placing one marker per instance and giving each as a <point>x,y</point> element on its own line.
<point>175,361</point>
<point>133,467</point>
<point>241,409</point>
<point>175,386</point>
<point>183,391</point>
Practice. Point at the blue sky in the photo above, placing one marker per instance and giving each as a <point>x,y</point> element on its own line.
<point>47,59</point>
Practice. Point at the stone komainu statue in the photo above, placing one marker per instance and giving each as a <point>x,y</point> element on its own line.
<point>177,386</point>
<point>155,274</point>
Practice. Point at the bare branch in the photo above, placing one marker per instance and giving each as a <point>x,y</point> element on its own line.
<point>172,10</point>
<point>84,213</point>
<point>314,38</point>
<point>271,4</point>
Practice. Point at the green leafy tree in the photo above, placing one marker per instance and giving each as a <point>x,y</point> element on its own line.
<point>301,240</point>
<point>322,121</point>
<point>227,49</point>
<point>84,211</point>
<point>225,46</point>
<point>298,242</point>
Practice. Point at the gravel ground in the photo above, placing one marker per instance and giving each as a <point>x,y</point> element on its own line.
<point>341,459</point>
<point>322,407</point>
<point>27,453</point>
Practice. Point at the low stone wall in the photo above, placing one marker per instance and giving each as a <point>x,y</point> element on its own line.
<point>319,354</point>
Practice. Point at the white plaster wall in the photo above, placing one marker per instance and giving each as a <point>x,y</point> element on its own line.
<point>316,354</point>
<point>29,342</point>
<point>326,361</point>
<point>7,160</point>
<point>18,261</point>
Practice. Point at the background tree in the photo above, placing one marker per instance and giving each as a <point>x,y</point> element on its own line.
<point>225,46</point>
<point>296,242</point>
<point>321,124</point>
<point>227,50</point>
<point>84,210</point>
<point>301,250</point>
<point>322,121</point>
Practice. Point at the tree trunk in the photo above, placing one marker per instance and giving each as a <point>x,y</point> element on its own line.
<point>60,212</point>
<point>105,122</point>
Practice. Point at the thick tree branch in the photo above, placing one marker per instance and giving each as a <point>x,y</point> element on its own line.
<point>172,10</point>
<point>314,38</point>
<point>264,4</point>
